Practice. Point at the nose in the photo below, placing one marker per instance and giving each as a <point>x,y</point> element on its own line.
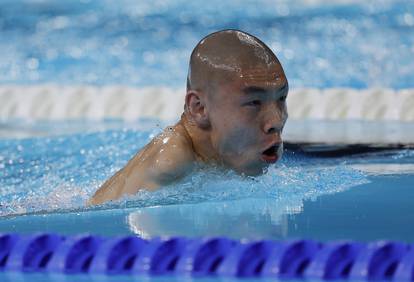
<point>274,122</point>
<point>271,129</point>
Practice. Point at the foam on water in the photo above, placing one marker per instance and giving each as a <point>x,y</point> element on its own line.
<point>59,174</point>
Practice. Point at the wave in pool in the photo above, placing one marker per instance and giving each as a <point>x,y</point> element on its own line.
<point>59,174</point>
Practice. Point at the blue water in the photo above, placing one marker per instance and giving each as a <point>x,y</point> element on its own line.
<point>62,172</point>
<point>45,180</point>
<point>320,43</point>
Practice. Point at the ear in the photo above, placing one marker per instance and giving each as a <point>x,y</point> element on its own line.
<point>196,106</point>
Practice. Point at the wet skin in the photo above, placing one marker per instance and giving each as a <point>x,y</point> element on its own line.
<point>249,120</point>
<point>233,118</point>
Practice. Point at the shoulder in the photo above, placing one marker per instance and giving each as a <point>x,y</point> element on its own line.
<point>173,156</point>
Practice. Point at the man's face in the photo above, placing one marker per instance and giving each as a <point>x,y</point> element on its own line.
<point>247,116</point>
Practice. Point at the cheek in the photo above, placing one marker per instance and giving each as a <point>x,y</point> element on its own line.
<point>236,140</point>
<point>234,131</point>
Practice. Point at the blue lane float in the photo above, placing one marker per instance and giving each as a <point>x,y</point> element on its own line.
<point>207,257</point>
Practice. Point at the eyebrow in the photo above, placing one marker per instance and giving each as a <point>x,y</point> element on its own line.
<point>257,89</point>
<point>254,89</point>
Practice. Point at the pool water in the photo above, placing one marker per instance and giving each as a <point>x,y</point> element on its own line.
<point>47,180</point>
<point>61,172</point>
<point>350,43</point>
<point>49,169</point>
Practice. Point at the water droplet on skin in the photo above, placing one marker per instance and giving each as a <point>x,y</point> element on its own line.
<point>165,140</point>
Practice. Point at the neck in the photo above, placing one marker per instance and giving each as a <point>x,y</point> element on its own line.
<point>200,139</point>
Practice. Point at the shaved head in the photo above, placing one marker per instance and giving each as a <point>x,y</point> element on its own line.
<point>227,55</point>
<point>235,108</point>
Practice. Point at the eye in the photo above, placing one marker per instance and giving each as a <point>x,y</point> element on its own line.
<point>254,103</point>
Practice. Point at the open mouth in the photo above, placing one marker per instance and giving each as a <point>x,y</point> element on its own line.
<point>270,154</point>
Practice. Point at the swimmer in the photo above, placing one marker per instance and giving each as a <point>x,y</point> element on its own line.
<point>234,114</point>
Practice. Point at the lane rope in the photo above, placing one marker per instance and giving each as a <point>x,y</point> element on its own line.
<point>207,257</point>
<point>56,102</point>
